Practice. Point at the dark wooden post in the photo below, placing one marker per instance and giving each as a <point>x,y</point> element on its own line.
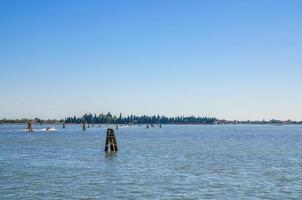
<point>83,126</point>
<point>30,126</point>
<point>110,141</point>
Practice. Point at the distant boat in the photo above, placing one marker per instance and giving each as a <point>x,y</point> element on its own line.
<point>48,129</point>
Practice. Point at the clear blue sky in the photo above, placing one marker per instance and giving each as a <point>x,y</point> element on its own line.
<point>227,59</point>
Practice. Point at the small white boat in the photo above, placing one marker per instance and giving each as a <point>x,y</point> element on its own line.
<point>49,129</point>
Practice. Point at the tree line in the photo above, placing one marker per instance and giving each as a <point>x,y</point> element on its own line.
<point>25,120</point>
<point>134,119</point>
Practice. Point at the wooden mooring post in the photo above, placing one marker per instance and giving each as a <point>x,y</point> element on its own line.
<point>30,126</point>
<point>110,141</point>
<point>83,126</point>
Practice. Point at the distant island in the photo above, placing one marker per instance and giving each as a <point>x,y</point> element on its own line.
<point>143,119</point>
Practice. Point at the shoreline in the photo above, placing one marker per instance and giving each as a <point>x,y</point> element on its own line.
<point>180,124</point>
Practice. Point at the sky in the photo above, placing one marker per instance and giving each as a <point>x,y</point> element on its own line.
<point>229,59</point>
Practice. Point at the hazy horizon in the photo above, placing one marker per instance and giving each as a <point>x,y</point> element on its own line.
<point>235,60</point>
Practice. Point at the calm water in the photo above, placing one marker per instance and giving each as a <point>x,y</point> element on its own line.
<point>175,162</point>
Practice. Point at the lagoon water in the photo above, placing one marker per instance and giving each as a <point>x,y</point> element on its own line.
<point>174,162</point>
